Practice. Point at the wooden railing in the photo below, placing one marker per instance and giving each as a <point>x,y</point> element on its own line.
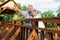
<point>18,31</point>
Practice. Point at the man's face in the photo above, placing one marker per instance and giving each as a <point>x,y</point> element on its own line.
<point>30,7</point>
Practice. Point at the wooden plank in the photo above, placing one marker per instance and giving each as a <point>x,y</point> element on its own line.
<point>15,35</point>
<point>41,19</point>
<point>50,36</point>
<point>4,3</point>
<point>56,36</point>
<point>36,28</point>
<point>42,37</point>
<point>16,4</point>
<point>25,34</point>
<point>33,35</point>
<point>7,34</point>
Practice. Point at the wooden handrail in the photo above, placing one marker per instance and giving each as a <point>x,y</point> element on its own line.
<point>45,20</point>
<point>40,19</point>
<point>43,29</point>
<point>4,3</point>
<point>7,34</point>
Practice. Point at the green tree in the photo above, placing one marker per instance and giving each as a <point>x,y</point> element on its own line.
<point>38,11</point>
<point>58,11</point>
<point>48,14</point>
<point>24,8</point>
<point>2,0</point>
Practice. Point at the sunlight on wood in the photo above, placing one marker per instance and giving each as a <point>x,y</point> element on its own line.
<point>33,35</point>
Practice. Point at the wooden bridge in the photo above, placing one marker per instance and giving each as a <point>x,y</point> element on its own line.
<point>15,30</point>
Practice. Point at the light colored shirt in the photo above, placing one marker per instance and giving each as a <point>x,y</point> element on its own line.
<point>25,13</point>
<point>40,23</point>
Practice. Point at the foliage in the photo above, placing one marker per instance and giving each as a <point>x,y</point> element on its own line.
<point>15,16</point>
<point>49,25</point>
<point>58,14</point>
<point>24,8</point>
<point>48,14</point>
<point>38,12</point>
<point>58,11</point>
<point>5,16</point>
<point>22,17</point>
<point>2,0</point>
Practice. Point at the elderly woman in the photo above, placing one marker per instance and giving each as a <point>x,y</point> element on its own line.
<point>35,15</point>
<point>40,23</point>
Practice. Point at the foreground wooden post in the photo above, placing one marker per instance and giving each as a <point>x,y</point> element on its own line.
<point>56,35</point>
<point>42,36</point>
<point>33,35</point>
<point>50,36</point>
<point>15,35</point>
<point>7,34</point>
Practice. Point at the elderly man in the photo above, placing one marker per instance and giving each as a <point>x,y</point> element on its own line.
<point>28,12</point>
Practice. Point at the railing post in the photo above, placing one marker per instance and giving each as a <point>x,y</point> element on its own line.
<point>16,34</point>
<point>56,35</point>
<point>50,36</point>
<point>42,35</point>
<point>33,35</point>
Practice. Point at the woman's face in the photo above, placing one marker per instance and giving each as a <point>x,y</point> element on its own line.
<point>33,13</point>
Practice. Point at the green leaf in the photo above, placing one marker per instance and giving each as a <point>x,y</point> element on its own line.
<point>5,16</point>
<point>47,14</point>
<point>22,17</point>
<point>58,10</point>
<point>2,0</point>
<point>24,8</point>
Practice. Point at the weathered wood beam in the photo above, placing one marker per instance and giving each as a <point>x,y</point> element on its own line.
<point>16,34</point>
<point>7,34</point>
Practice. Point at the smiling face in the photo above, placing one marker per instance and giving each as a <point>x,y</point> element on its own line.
<point>33,12</point>
<point>30,7</point>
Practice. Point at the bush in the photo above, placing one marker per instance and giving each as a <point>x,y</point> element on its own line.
<point>24,8</point>
<point>58,14</point>
<point>5,16</point>
<point>48,14</point>
<point>2,0</point>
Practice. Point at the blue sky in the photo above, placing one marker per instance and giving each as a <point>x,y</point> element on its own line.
<point>57,0</point>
